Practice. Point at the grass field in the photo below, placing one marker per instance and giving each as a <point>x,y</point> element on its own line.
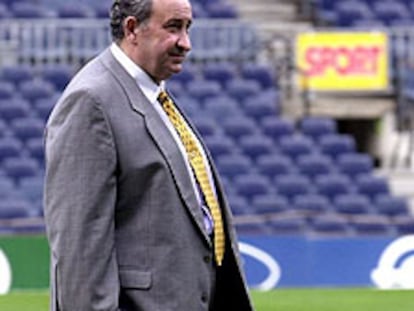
<point>281,299</point>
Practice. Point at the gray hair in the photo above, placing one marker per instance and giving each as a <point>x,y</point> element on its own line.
<point>121,9</point>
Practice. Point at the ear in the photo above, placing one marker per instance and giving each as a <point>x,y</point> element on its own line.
<point>130,28</point>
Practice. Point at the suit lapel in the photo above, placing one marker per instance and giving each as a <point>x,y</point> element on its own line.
<point>161,136</point>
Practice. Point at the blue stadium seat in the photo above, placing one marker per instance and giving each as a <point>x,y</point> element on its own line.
<point>219,145</point>
<point>7,90</point>
<point>277,127</point>
<point>14,208</point>
<point>353,204</point>
<point>288,224</point>
<point>36,89</point>
<point>332,185</point>
<point>205,126</point>
<point>7,186</point>
<point>256,145</point>
<point>241,89</point>
<point>76,10</point>
<point>57,74</point>
<point>372,224</point>
<point>292,185</point>
<point>337,144</point>
<point>371,185</point>
<point>259,108</point>
<point>269,204</point>
<point>44,106</point>
<point>259,73</point>
<point>252,184</point>
<point>203,89</point>
<point>31,10</point>
<point>387,204</point>
<point>17,74</point>
<point>314,164</point>
<point>354,164</point>
<point>4,11</point>
<point>296,145</point>
<point>20,167</point>
<point>238,204</point>
<point>233,165</point>
<point>31,188</point>
<point>330,224</point>
<point>35,147</point>
<point>14,108</point>
<point>186,75</point>
<point>9,148</point>
<point>27,128</point>
<point>222,107</point>
<point>404,225</point>
<point>315,127</point>
<point>221,9</point>
<point>222,72</point>
<point>349,11</point>
<point>276,164</point>
<point>239,126</point>
<point>389,11</point>
<point>190,106</point>
<point>311,204</point>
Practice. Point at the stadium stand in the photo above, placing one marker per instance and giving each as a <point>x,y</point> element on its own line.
<point>283,175</point>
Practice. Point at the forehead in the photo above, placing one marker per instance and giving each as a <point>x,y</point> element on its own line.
<point>172,9</point>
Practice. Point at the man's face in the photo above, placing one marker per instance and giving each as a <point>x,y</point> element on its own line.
<point>164,41</point>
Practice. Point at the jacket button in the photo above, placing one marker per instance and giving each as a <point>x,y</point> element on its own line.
<point>207,259</point>
<point>204,298</point>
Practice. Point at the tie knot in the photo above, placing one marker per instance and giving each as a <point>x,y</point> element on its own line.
<point>163,97</point>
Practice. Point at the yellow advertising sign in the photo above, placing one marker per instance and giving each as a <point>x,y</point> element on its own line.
<point>342,61</point>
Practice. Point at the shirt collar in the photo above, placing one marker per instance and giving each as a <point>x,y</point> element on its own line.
<point>150,89</point>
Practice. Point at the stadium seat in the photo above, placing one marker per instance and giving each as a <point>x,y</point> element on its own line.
<point>186,75</point>
<point>76,10</point>
<point>296,145</point>
<point>190,106</point>
<point>20,167</point>
<point>31,188</point>
<point>36,89</point>
<point>4,11</point>
<point>311,204</point>
<point>221,9</point>
<point>239,126</point>
<point>371,225</point>
<point>288,224</point>
<point>315,127</point>
<point>274,165</point>
<point>259,73</point>
<point>349,11</point>
<point>7,90</point>
<point>35,147</point>
<point>222,72</point>
<point>404,225</point>
<point>44,106</point>
<point>389,11</point>
<point>251,228</point>
<point>9,148</point>
<point>14,208</point>
<point>330,224</point>
<point>7,186</point>
<point>292,185</point>
<point>57,74</point>
<point>220,145</point>
<point>14,108</point>
<point>277,127</point>
<point>238,205</point>
<point>31,10</point>
<point>205,126</point>
<point>353,204</point>
<point>203,89</point>
<point>371,185</point>
<point>332,185</point>
<point>256,145</point>
<point>259,107</point>
<point>354,164</point>
<point>314,164</point>
<point>269,204</point>
<point>17,74</point>
<point>387,204</point>
<point>251,184</point>
<point>241,89</point>
<point>221,108</point>
<point>27,128</point>
<point>233,165</point>
<point>337,144</point>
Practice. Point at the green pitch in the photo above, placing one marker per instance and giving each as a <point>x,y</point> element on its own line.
<point>281,299</point>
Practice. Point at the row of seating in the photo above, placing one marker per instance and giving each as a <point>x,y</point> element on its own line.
<point>366,12</point>
<point>97,9</point>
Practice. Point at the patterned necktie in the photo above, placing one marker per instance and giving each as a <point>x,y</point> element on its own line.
<point>200,171</point>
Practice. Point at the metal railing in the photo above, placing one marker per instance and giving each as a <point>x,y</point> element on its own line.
<point>77,40</point>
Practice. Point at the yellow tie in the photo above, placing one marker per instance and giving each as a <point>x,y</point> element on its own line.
<point>196,160</point>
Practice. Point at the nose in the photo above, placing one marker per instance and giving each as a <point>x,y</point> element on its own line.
<point>184,41</point>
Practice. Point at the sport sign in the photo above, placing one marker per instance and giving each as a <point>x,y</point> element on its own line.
<point>342,61</point>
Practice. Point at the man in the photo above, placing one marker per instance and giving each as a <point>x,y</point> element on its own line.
<point>135,219</point>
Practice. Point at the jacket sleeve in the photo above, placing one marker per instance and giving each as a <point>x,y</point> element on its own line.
<point>80,194</point>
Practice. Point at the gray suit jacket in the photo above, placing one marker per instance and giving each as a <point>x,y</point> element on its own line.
<point>124,226</point>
